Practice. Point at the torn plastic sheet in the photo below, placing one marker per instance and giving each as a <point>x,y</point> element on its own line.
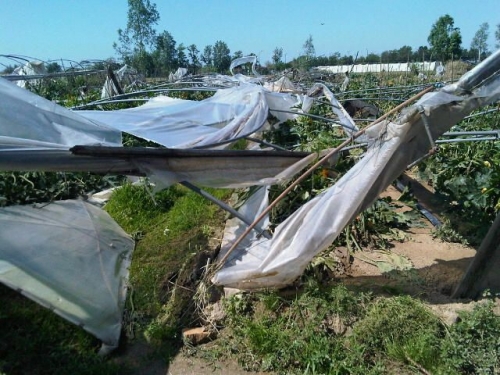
<point>281,85</point>
<point>70,257</point>
<point>228,115</point>
<point>345,119</point>
<point>126,76</point>
<point>30,68</point>
<point>242,61</point>
<point>180,72</point>
<point>35,122</point>
<point>262,263</point>
<point>36,135</point>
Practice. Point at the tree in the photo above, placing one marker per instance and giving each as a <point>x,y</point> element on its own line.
<point>346,60</point>
<point>194,61</point>
<point>53,67</point>
<point>238,54</point>
<point>309,47</point>
<point>221,56</point>
<point>333,59</point>
<point>445,39</point>
<point>404,54</point>
<point>207,56</point>
<point>165,54</point>
<point>479,41</point>
<point>422,54</point>
<point>139,35</point>
<point>277,55</point>
<point>497,36</point>
<point>372,58</point>
<point>182,60</point>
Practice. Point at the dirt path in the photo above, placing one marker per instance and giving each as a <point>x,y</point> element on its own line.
<point>436,266</point>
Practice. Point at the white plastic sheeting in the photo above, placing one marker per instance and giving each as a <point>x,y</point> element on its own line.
<point>30,121</point>
<point>33,129</point>
<point>179,73</point>
<point>262,263</point>
<point>28,69</point>
<point>242,61</point>
<point>281,85</point>
<point>377,68</point>
<point>36,134</point>
<point>126,76</point>
<point>228,115</point>
<point>70,257</point>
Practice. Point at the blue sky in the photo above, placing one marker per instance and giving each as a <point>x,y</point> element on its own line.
<point>86,29</point>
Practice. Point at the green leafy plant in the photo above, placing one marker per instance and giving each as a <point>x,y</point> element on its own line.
<point>38,187</point>
<point>404,329</point>
<point>304,334</point>
<point>473,344</point>
<point>467,176</point>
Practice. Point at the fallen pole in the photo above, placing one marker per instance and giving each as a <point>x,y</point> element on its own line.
<point>223,205</point>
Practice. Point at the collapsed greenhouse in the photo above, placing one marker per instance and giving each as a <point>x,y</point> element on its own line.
<point>44,244</point>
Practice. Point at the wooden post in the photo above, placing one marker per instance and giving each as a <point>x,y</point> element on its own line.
<point>483,273</point>
<point>113,78</point>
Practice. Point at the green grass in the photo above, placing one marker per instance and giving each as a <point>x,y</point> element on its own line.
<point>170,227</point>
<point>339,331</point>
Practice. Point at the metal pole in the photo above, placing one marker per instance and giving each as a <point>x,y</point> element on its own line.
<point>224,206</point>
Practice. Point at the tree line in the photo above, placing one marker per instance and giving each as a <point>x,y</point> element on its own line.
<point>157,54</point>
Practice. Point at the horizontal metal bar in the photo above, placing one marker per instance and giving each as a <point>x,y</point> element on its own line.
<point>474,132</point>
<point>18,77</point>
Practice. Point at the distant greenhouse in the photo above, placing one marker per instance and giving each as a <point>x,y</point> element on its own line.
<point>426,66</point>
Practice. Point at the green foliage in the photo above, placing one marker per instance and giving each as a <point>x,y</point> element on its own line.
<point>303,335</point>
<point>446,232</point>
<point>194,59</point>
<point>337,331</point>
<point>378,225</point>
<point>135,207</point>
<point>165,54</point>
<point>39,187</point>
<point>445,39</point>
<point>307,334</point>
<point>473,343</point>
<point>467,176</point>
<point>403,328</point>
<point>66,90</point>
<point>53,67</point>
<point>479,42</point>
<point>208,55</point>
<point>306,61</point>
<point>139,34</point>
<point>169,226</point>
<point>221,56</point>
